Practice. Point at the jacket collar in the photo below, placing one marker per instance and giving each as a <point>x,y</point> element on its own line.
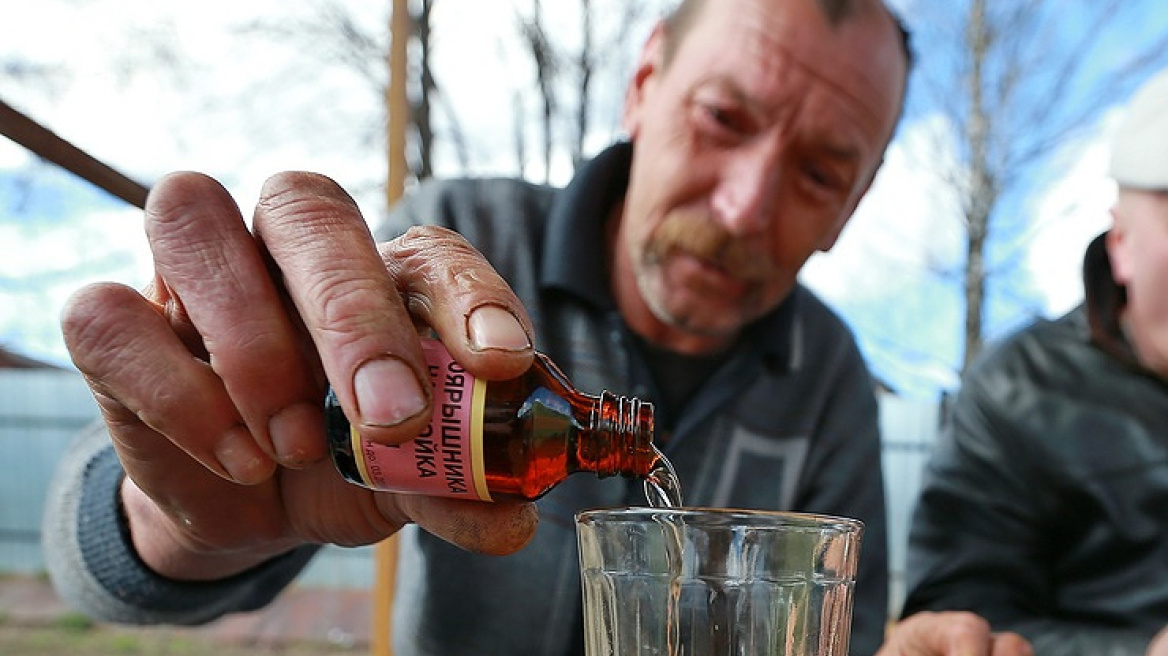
<point>575,250</point>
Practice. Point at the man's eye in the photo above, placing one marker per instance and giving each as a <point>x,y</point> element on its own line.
<point>817,176</point>
<point>719,115</point>
<point>820,177</point>
<point>724,120</point>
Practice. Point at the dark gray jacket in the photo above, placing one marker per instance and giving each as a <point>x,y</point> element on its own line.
<point>788,421</point>
<point>1045,509</point>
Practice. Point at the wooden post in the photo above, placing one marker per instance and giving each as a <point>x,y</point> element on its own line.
<point>397,101</point>
<point>397,121</point>
<point>45,143</point>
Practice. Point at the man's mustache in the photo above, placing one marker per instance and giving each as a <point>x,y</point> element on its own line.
<point>698,235</point>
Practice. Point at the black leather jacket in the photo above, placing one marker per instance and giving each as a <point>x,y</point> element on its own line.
<point>1045,506</point>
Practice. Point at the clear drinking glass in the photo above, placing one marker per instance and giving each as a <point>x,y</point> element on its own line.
<point>707,582</point>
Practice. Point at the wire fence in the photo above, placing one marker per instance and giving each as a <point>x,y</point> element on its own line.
<point>909,429</point>
<point>41,410</point>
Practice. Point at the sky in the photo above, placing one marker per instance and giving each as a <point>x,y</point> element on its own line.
<point>239,107</point>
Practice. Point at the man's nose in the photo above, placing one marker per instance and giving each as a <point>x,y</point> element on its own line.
<point>748,186</point>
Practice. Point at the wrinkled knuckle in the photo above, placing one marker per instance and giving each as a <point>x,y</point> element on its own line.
<point>967,625</point>
<point>176,194</point>
<point>81,311</point>
<point>300,214</point>
<point>303,198</point>
<point>423,235</point>
<point>90,318</point>
<point>177,218</point>
<point>287,181</point>
<point>347,304</point>
<point>437,255</point>
<point>256,339</point>
<point>422,242</point>
<point>163,409</point>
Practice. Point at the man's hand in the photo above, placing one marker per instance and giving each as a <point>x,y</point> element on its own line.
<point>950,634</point>
<point>1159,646</point>
<point>211,380</point>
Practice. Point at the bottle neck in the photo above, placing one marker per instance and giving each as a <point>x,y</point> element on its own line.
<point>620,437</point>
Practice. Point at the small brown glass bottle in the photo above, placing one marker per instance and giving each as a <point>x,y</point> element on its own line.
<point>489,439</point>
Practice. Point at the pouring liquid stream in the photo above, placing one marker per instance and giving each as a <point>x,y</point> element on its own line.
<point>663,490</point>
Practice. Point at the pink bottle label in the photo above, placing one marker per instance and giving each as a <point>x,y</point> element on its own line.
<point>446,459</point>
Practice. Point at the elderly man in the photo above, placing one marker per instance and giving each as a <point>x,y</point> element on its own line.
<point>666,269</point>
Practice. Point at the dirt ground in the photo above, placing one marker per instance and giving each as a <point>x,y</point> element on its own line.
<point>302,622</point>
<point>65,639</point>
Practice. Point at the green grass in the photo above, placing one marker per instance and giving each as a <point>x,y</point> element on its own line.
<point>73,622</point>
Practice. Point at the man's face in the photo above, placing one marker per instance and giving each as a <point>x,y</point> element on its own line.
<point>1138,247</point>
<point>752,148</point>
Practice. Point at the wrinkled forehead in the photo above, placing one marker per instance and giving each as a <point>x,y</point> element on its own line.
<point>861,58</point>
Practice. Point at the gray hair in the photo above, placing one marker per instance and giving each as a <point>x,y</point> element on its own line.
<point>681,19</point>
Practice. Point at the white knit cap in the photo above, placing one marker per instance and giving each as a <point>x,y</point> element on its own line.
<point>1139,154</point>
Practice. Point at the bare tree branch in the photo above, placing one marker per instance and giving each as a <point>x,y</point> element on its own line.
<point>1017,80</point>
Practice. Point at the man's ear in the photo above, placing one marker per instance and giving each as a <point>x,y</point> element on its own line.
<point>649,64</point>
<point>1116,243</point>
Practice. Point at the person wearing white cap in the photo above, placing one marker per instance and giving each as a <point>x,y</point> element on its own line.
<point>1045,506</point>
<point>1138,240</point>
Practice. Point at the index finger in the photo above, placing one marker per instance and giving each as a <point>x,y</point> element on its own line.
<point>353,301</point>
<point>215,289</point>
<point>343,294</point>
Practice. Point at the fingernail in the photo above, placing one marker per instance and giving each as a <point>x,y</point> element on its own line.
<point>490,327</point>
<point>388,392</point>
<point>241,458</point>
<point>296,436</point>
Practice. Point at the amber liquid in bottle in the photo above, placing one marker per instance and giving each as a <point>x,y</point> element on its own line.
<point>489,439</point>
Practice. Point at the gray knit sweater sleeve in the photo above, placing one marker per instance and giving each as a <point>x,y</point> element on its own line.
<point>93,565</point>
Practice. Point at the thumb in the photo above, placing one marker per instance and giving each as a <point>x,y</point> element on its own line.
<point>496,528</point>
